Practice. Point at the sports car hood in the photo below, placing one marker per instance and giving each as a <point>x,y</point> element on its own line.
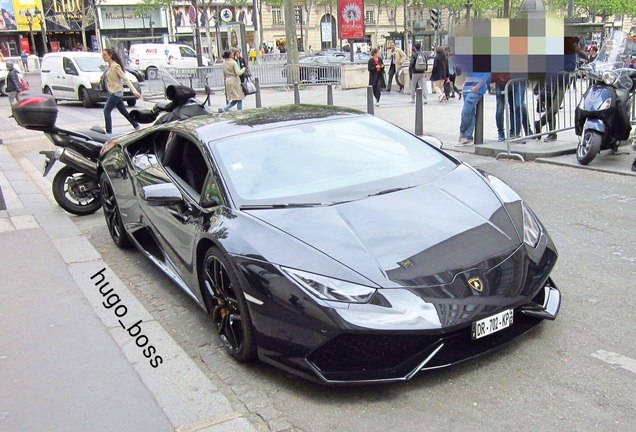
<point>421,236</point>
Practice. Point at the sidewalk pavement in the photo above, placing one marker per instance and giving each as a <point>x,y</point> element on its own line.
<point>75,347</point>
<point>66,363</point>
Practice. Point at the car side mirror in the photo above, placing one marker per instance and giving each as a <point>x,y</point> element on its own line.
<point>161,195</point>
<point>70,71</point>
<point>435,142</point>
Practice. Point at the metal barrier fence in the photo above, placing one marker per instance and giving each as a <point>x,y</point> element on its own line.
<point>269,75</point>
<point>552,108</point>
<point>33,62</point>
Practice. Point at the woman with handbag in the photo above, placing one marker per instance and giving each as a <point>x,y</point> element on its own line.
<point>232,73</point>
<point>112,78</point>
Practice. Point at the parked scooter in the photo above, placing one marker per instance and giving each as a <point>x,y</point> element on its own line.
<point>602,115</point>
<point>76,187</point>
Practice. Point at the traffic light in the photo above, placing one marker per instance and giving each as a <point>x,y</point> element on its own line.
<point>435,18</point>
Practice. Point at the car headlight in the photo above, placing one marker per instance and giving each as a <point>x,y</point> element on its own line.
<point>609,77</point>
<point>531,227</point>
<point>326,288</point>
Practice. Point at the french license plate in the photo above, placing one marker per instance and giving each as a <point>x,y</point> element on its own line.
<point>127,90</point>
<point>492,324</point>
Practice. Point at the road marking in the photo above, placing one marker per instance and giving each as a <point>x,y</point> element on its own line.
<point>616,359</point>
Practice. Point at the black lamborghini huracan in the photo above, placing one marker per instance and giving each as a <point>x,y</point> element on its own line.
<point>329,242</point>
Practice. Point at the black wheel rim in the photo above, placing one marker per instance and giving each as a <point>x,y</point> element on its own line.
<point>224,308</point>
<point>110,211</point>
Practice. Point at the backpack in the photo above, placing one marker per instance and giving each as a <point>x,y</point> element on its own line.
<point>420,63</point>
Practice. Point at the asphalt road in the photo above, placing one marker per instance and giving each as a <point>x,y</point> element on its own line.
<point>559,378</point>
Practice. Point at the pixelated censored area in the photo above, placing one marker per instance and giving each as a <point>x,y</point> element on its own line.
<point>527,46</point>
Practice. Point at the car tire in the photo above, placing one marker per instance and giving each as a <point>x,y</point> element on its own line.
<point>589,146</point>
<point>222,293</point>
<point>112,214</point>
<point>64,198</point>
<point>2,87</point>
<point>86,98</point>
<point>131,102</point>
<point>152,73</point>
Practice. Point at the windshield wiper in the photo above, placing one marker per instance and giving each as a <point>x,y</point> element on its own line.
<point>279,205</point>
<point>388,191</point>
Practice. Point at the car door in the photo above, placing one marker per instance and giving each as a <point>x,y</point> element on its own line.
<point>177,226</point>
<point>187,57</point>
<point>67,79</point>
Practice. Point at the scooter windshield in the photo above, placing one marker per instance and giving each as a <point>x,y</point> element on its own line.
<point>614,62</point>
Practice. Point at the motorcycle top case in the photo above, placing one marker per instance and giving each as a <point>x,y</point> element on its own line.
<point>36,112</point>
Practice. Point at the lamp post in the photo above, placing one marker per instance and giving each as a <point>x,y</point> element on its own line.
<point>38,15</point>
<point>29,17</point>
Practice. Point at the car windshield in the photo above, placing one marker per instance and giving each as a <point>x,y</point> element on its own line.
<point>326,161</point>
<point>91,64</point>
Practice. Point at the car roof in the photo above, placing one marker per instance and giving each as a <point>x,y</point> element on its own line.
<point>74,54</point>
<point>219,126</point>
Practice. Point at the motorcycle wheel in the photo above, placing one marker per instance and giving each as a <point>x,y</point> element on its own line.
<point>72,201</point>
<point>589,147</point>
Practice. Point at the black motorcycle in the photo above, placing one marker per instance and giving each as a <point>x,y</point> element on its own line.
<point>602,116</point>
<point>75,187</point>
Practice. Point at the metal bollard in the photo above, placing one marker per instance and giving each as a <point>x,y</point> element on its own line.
<point>296,94</point>
<point>479,122</point>
<point>329,94</point>
<point>419,113</point>
<point>370,100</point>
<point>257,83</point>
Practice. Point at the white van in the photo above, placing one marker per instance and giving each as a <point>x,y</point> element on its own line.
<point>149,57</point>
<point>76,75</point>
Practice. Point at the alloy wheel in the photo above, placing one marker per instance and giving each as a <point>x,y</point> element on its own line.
<point>225,310</point>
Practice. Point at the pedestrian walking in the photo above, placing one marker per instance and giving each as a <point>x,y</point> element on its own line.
<point>398,57</point>
<point>376,74</point>
<point>418,65</point>
<point>112,79</point>
<point>453,70</point>
<point>13,84</point>
<point>25,60</point>
<point>475,87</point>
<point>232,73</point>
<point>439,73</point>
<point>517,110</point>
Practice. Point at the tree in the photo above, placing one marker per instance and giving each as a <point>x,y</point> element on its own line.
<point>292,38</point>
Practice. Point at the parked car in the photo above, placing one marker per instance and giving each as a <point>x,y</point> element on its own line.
<point>76,75</point>
<point>139,74</point>
<point>332,243</point>
<point>324,68</point>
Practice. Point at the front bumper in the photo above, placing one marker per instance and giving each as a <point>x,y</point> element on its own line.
<point>372,358</point>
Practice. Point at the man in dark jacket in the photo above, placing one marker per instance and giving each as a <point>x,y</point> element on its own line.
<point>418,77</point>
<point>14,86</point>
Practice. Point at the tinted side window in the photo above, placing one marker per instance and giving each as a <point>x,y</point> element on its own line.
<point>68,66</point>
<point>187,52</point>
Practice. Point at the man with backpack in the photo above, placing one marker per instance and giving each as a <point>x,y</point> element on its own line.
<point>417,69</point>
